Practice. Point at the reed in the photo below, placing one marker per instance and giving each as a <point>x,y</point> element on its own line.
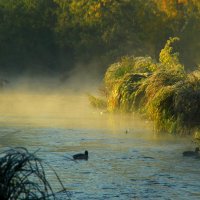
<point>170,97</point>
<point>162,92</point>
<point>122,80</point>
<point>128,64</point>
<point>22,176</point>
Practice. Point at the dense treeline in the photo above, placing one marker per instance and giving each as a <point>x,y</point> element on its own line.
<point>53,35</point>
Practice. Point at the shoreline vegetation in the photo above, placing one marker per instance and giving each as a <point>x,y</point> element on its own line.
<point>22,176</point>
<point>163,92</point>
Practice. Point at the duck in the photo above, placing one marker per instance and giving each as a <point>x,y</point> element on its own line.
<point>191,153</point>
<point>81,156</point>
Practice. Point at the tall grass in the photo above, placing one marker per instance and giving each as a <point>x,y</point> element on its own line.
<point>170,96</point>
<point>121,80</point>
<point>162,91</point>
<point>122,95</point>
<point>22,176</point>
<point>127,64</point>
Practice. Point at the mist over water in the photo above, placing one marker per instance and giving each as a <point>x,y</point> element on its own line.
<point>126,159</point>
<point>54,102</point>
<point>67,109</point>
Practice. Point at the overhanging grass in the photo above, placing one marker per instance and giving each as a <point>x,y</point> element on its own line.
<point>122,96</point>
<point>162,92</point>
<point>22,176</point>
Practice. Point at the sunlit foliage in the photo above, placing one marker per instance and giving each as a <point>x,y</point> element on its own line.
<point>58,33</point>
<point>183,17</point>
<point>128,64</point>
<point>162,92</point>
<point>170,97</point>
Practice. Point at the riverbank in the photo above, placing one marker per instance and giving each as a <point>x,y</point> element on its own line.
<point>162,92</point>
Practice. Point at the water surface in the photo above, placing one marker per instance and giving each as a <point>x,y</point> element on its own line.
<point>126,159</point>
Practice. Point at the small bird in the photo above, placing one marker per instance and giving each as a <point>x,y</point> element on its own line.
<point>81,156</point>
<point>191,153</point>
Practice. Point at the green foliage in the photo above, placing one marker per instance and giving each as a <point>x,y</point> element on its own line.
<point>163,92</point>
<point>170,97</point>
<point>187,101</point>
<point>58,33</point>
<point>182,19</point>
<point>163,77</point>
<point>171,100</point>
<point>128,64</point>
<point>122,95</point>
<point>26,33</point>
<point>167,57</point>
<point>123,78</point>
<point>159,109</point>
<point>177,107</point>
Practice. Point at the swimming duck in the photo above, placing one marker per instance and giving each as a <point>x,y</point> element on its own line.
<point>191,153</point>
<point>81,156</point>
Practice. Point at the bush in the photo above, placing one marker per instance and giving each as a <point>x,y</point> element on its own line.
<point>122,80</point>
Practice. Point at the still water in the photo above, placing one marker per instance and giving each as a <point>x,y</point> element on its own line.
<point>126,159</point>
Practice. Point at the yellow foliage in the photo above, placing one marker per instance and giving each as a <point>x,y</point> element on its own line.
<point>166,94</point>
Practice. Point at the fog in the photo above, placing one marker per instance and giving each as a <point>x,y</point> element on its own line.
<point>50,102</point>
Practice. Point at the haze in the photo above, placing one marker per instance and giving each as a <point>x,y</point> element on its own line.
<point>48,103</point>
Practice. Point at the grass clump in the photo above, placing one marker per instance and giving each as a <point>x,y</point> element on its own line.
<point>172,100</point>
<point>158,80</point>
<point>122,80</point>
<point>162,92</point>
<point>170,96</point>
<point>22,176</point>
<point>187,103</point>
<point>129,64</point>
<point>122,95</point>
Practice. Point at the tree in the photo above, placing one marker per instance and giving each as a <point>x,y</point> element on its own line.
<point>26,32</point>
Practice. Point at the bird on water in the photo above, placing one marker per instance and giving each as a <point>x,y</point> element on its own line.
<point>191,153</point>
<point>81,156</point>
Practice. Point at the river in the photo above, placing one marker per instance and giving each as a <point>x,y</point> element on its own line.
<point>127,160</point>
